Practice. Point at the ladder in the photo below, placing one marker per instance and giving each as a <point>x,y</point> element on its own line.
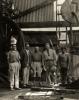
<point>58,20</point>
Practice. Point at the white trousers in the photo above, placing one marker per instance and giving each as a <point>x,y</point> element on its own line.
<point>37,68</point>
<point>14,74</point>
<point>25,75</point>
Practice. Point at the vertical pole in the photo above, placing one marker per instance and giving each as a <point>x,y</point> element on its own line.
<point>71,43</point>
<point>6,31</point>
<point>66,35</point>
<point>56,15</point>
<point>56,22</point>
<point>71,35</point>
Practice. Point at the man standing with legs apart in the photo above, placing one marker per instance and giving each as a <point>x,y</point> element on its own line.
<point>26,62</point>
<point>37,63</point>
<point>14,65</point>
<point>63,63</point>
<point>49,61</point>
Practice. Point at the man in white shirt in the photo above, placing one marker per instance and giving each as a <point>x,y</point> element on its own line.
<point>14,65</point>
<point>49,61</point>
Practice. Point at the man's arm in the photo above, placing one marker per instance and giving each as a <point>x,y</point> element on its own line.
<point>55,57</point>
<point>8,57</point>
<point>58,62</point>
<point>18,58</point>
<point>68,60</point>
<point>31,59</point>
<point>43,62</point>
<point>22,55</point>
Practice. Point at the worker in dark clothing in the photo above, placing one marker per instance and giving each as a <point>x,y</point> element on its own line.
<point>26,62</point>
<point>63,63</point>
<point>14,65</point>
<point>37,63</point>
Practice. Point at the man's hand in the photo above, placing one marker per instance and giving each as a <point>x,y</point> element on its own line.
<point>27,65</point>
<point>44,68</point>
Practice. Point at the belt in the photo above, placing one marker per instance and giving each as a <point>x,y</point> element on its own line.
<point>14,62</point>
<point>36,61</point>
<point>49,60</point>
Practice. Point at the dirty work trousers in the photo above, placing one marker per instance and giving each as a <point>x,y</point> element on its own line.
<point>63,72</point>
<point>50,70</point>
<point>26,75</point>
<point>37,68</point>
<point>14,74</point>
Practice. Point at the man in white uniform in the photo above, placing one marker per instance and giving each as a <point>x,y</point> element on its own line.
<point>14,65</point>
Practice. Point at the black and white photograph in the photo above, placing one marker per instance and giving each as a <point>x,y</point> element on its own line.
<point>39,49</point>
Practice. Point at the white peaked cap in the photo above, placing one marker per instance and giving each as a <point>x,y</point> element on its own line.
<point>13,40</point>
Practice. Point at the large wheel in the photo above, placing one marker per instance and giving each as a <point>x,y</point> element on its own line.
<point>69,13</point>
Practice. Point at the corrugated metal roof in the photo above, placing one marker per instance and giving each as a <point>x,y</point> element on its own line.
<point>43,14</point>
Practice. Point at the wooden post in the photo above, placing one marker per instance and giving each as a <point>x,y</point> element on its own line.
<point>66,35</point>
<point>56,23</point>
<point>71,35</point>
<point>71,44</point>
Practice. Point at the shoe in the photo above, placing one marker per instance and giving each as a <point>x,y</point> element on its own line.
<point>18,88</point>
<point>55,85</point>
<point>28,86</point>
<point>52,84</point>
<point>24,86</point>
<point>40,84</point>
<point>12,89</point>
<point>49,86</point>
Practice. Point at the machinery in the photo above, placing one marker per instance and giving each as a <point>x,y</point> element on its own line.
<point>35,12</point>
<point>8,27</point>
<point>70,13</point>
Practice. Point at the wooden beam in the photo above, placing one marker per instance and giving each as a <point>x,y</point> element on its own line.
<point>44,24</point>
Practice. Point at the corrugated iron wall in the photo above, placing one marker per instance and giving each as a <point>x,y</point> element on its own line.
<point>40,15</point>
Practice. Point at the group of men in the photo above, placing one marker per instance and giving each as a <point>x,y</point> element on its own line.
<point>37,61</point>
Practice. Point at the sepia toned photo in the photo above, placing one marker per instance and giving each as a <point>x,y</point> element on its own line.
<point>39,49</point>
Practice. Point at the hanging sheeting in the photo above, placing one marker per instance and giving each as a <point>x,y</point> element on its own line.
<point>40,14</point>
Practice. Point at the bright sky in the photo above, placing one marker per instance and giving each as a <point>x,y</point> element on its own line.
<point>63,36</point>
<point>59,2</point>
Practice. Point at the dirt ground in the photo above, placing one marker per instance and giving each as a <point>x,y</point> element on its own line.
<point>28,94</point>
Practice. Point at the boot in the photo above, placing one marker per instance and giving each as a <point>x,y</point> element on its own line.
<point>34,81</point>
<point>39,81</point>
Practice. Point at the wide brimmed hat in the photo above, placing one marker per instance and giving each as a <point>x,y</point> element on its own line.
<point>13,40</point>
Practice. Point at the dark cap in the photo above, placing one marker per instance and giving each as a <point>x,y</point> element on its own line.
<point>26,43</point>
